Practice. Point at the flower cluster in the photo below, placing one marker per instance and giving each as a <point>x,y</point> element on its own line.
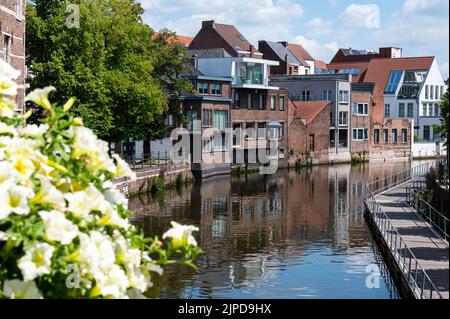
<point>64,227</point>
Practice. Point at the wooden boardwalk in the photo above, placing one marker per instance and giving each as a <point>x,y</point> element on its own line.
<point>429,248</point>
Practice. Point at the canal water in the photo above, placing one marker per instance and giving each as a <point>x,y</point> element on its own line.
<point>289,235</point>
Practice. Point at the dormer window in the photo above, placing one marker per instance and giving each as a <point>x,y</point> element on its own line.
<point>203,88</point>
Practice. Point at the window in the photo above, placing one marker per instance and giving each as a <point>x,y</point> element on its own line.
<point>394,136</point>
<point>410,109</point>
<point>387,110</point>
<point>431,92</point>
<point>343,118</point>
<point>332,138</point>
<point>430,109</point>
<point>354,71</point>
<point>394,80</point>
<point>237,134</point>
<point>343,138</point>
<point>360,134</point>
<point>332,119</point>
<point>6,48</point>
<point>404,136</point>
<point>216,89</point>
<point>281,131</point>
<point>424,109</point>
<point>203,88</point>
<point>250,130</point>
<point>250,101</point>
<point>376,136</point>
<point>261,102</point>
<point>426,133</point>
<point>311,142</point>
<point>169,120</point>
<point>401,110</point>
<point>306,96</point>
<point>343,96</point>
<point>261,131</point>
<point>207,118</point>
<point>326,95</point>
<point>18,9</point>
<point>273,100</point>
<point>385,136</point>
<point>220,120</point>
<point>442,91</point>
<point>281,103</point>
<point>427,90</point>
<point>191,117</point>
<point>436,92</point>
<point>237,102</point>
<point>436,110</point>
<point>361,109</point>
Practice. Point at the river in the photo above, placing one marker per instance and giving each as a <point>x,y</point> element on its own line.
<point>288,235</point>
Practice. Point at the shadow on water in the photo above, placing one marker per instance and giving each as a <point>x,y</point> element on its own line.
<point>289,235</point>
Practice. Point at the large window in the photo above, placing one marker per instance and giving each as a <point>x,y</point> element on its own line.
<point>203,88</point>
<point>361,109</point>
<point>404,136</point>
<point>250,73</point>
<point>442,91</point>
<point>394,136</point>
<point>401,110</point>
<point>216,89</point>
<point>306,96</point>
<point>360,134</point>
<point>250,130</point>
<point>220,120</point>
<point>207,118</point>
<point>261,131</point>
<point>237,134</point>
<point>427,91</point>
<point>385,136</point>
<point>343,96</point>
<point>431,92</point>
<point>273,100</point>
<point>250,101</point>
<point>343,118</point>
<point>312,142</point>
<point>376,136</point>
<point>261,102</point>
<point>343,138</point>
<point>436,92</point>
<point>387,110</point>
<point>191,117</point>
<point>332,138</point>
<point>237,101</point>
<point>282,101</point>
<point>6,48</point>
<point>394,80</point>
<point>410,110</point>
<point>427,133</point>
<point>326,95</point>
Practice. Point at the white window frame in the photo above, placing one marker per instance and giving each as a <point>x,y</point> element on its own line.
<point>363,131</point>
<point>344,96</point>
<point>341,123</point>
<point>273,102</point>
<point>365,109</point>
<point>387,110</point>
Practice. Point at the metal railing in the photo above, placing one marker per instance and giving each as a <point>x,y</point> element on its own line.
<point>434,217</point>
<point>412,271</point>
<point>155,158</point>
<point>379,186</point>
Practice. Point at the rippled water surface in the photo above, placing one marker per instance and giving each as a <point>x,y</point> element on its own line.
<point>290,235</point>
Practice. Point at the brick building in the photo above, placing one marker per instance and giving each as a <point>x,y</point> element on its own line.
<point>308,136</point>
<point>12,41</point>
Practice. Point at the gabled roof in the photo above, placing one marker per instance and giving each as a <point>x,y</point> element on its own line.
<point>351,65</point>
<point>379,70</point>
<point>309,110</point>
<point>321,64</point>
<point>300,52</point>
<point>234,38</point>
<point>186,40</point>
<point>363,87</point>
<point>281,51</point>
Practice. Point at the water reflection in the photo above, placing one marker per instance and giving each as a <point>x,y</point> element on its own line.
<point>290,235</point>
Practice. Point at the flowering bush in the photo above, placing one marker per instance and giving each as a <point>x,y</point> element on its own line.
<point>64,228</point>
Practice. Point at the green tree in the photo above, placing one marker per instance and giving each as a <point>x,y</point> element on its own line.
<point>120,75</point>
<point>443,128</point>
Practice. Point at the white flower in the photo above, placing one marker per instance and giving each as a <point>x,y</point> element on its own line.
<point>115,197</point>
<point>14,199</point>
<point>23,165</point>
<point>34,131</point>
<point>155,268</point>
<point>125,253</point>
<point>135,294</point>
<point>8,173</point>
<point>49,194</point>
<point>58,227</point>
<point>82,203</point>
<point>111,218</point>
<point>7,108</point>
<point>137,278</point>
<point>40,97</point>
<point>181,235</point>
<point>17,289</point>
<point>123,169</point>
<point>7,86</point>
<point>96,252</point>
<point>7,129</point>
<point>8,71</point>
<point>114,283</point>
<point>36,261</point>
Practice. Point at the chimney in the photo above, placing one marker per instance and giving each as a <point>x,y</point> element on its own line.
<point>284,43</point>
<point>210,24</point>
<point>287,64</point>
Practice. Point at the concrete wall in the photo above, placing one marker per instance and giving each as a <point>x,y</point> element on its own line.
<point>423,150</point>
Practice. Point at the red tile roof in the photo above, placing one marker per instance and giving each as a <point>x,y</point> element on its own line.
<point>186,40</point>
<point>300,52</point>
<point>379,70</point>
<point>309,110</point>
<point>232,35</point>
<point>321,64</point>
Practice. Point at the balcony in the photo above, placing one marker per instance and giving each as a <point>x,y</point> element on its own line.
<point>409,91</point>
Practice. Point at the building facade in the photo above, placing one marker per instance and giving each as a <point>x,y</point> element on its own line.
<point>334,88</point>
<point>12,41</point>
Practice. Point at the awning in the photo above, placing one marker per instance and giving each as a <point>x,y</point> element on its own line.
<point>275,124</point>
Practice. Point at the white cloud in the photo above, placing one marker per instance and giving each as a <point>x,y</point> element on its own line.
<point>319,27</point>
<point>362,16</point>
<point>333,3</point>
<point>414,6</point>
<point>320,51</point>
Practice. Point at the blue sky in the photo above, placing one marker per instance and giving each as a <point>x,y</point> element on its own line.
<point>420,27</point>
